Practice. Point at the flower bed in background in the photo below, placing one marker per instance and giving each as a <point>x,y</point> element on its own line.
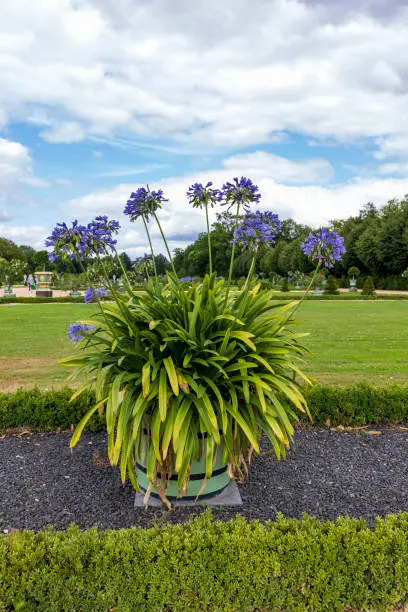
<point>284,565</point>
<point>350,406</point>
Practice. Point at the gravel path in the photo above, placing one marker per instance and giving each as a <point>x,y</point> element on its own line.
<point>327,473</point>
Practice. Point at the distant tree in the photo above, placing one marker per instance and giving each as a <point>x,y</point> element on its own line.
<point>162,264</point>
<point>126,261</point>
<point>9,250</point>
<point>29,256</point>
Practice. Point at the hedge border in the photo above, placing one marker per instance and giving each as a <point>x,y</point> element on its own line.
<point>342,297</point>
<point>354,405</point>
<point>286,565</point>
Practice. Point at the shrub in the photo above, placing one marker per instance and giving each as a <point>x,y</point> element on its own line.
<point>368,287</point>
<point>330,287</point>
<point>353,405</point>
<point>285,284</point>
<point>202,565</point>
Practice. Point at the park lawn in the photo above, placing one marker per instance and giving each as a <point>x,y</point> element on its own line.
<point>349,342</point>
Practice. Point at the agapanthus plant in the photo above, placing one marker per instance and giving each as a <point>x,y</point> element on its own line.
<point>203,196</point>
<point>189,376</point>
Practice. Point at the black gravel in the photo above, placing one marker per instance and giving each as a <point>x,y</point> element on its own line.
<point>326,474</point>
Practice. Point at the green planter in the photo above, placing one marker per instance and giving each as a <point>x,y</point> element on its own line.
<point>214,485</point>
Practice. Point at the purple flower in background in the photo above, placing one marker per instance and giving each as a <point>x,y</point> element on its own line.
<point>200,195</point>
<point>88,296</point>
<point>324,246</point>
<point>186,279</point>
<point>77,331</point>
<point>241,191</point>
<point>67,241</point>
<point>99,235</point>
<point>99,293</point>
<point>143,203</point>
<point>257,228</point>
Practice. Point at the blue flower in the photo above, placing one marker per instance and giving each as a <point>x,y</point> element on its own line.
<point>143,203</point>
<point>324,246</point>
<point>80,241</point>
<point>90,295</point>
<point>200,196</point>
<point>186,279</point>
<point>257,228</point>
<point>77,331</point>
<point>67,241</point>
<point>242,191</point>
<point>99,235</point>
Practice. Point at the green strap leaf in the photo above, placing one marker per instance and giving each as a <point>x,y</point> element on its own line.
<point>80,427</point>
<point>146,379</point>
<point>172,374</point>
<point>163,394</point>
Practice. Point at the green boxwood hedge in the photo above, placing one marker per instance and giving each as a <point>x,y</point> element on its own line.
<point>286,565</point>
<point>353,405</point>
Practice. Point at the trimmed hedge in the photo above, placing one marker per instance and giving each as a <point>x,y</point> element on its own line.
<point>278,296</point>
<point>353,405</point>
<point>358,404</point>
<point>202,565</point>
<point>346,297</point>
<point>41,300</point>
<point>43,410</point>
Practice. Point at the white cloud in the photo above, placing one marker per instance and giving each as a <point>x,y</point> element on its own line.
<point>67,132</point>
<point>281,169</point>
<point>212,74</point>
<point>130,170</point>
<point>16,168</point>
<point>33,235</point>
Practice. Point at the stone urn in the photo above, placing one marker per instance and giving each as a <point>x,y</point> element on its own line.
<point>43,282</point>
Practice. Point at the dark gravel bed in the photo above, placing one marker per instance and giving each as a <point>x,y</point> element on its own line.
<point>326,474</point>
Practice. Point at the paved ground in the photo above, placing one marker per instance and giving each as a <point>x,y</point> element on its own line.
<point>362,473</point>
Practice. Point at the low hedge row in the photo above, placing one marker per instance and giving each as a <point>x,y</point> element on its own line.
<point>353,405</point>
<point>342,297</point>
<point>40,300</point>
<point>278,296</point>
<point>203,565</point>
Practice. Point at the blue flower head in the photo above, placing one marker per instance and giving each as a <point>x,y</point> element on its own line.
<point>78,331</point>
<point>241,191</point>
<point>67,241</point>
<point>98,294</point>
<point>143,203</point>
<point>200,195</point>
<point>99,235</point>
<point>324,246</point>
<point>257,228</point>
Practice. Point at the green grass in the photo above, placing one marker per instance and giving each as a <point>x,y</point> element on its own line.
<point>349,342</point>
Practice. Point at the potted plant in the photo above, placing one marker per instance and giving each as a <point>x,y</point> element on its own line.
<point>190,376</point>
<point>353,272</point>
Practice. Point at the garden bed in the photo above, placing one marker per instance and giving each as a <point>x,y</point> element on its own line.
<point>328,473</point>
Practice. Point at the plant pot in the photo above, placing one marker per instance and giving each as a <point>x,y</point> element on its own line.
<point>214,486</point>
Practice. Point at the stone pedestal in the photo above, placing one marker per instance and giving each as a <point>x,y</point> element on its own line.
<point>43,293</point>
<point>230,496</point>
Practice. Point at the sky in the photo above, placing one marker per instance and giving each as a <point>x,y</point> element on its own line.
<point>98,97</point>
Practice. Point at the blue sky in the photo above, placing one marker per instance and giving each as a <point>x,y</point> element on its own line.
<point>309,99</point>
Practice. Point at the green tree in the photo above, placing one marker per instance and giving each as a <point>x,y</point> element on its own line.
<point>9,250</point>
